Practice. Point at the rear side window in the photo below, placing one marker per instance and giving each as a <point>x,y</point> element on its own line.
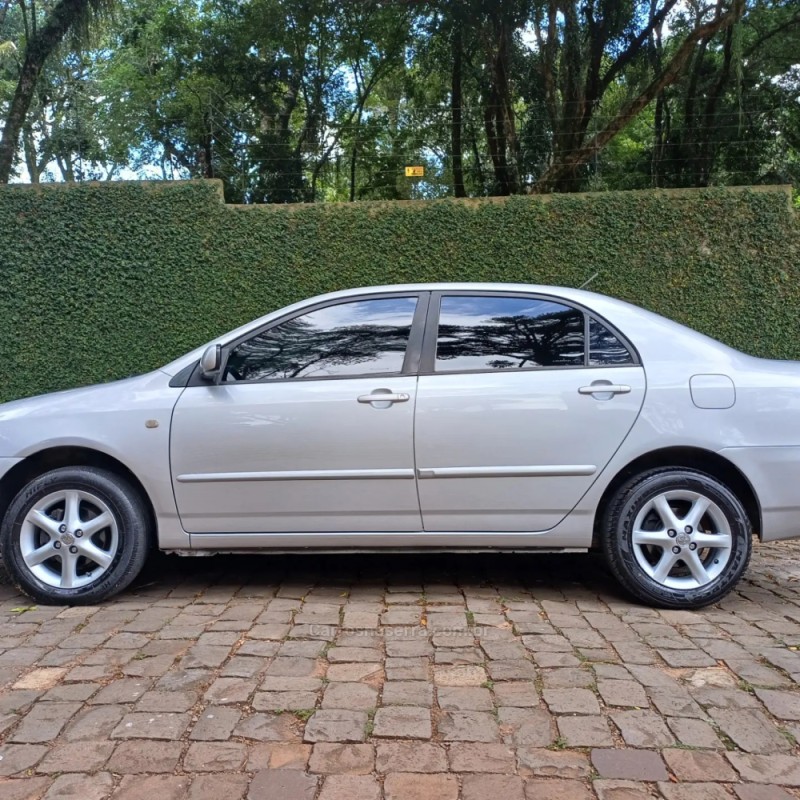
<point>605,348</point>
<point>479,333</point>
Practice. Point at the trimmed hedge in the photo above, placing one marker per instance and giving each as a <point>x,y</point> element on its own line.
<point>100,281</point>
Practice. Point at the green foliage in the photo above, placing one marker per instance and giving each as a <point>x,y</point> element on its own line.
<point>102,281</point>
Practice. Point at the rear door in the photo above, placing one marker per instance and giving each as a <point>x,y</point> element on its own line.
<point>521,402</point>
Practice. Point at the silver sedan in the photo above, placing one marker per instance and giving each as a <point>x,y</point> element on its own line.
<point>468,417</point>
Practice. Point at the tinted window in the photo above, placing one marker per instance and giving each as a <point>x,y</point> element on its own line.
<point>367,336</point>
<point>605,347</point>
<point>508,333</point>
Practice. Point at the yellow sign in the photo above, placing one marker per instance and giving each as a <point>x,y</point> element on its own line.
<point>415,172</point>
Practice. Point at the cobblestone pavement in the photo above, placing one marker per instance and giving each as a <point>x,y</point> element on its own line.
<point>433,677</point>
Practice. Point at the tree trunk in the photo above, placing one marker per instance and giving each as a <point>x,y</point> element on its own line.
<point>674,69</point>
<point>63,16</point>
<point>456,101</point>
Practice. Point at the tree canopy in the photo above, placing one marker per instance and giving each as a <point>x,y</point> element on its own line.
<point>317,100</point>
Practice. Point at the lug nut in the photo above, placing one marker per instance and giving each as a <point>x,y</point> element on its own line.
<point>671,533</point>
<point>78,533</point>
<point>73,549</point>
<point>57,545</point>
<point>693,546</point>
<point>676,550</point>
<point>62,528</point>
<point>688,529</point>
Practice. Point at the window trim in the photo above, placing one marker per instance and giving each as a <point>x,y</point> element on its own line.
<point>428,360</point>
<point>411,359</point>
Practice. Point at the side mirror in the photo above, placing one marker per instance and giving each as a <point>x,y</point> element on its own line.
<point>211,361</point>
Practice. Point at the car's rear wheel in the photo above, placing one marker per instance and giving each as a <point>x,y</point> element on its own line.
<point>676,538</point>
<point>75,535</point>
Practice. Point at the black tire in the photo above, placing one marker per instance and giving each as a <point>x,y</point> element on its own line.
<point>132,522</point>
<point>617,534</point>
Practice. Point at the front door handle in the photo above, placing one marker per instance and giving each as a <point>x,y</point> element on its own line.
<point>604,387</point>
<point>383,398</point>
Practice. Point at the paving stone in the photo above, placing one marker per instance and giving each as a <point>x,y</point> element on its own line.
<point>23,788</point>
<point>483,758</point>
<point>585,731</point>
<point>150,725</point>
<point>635,765</point>
<point>345,759</point>
<point>416,786</point>
<point>466,698</point>
<point>286,784</point>
<point>697,766</point>
<point>480,787</point>
<point>349,787</point>
<point>642,729</point>
<point>76,757</point>
<point>329,725</point>
<point>459,676</point>
<point>162,787</point>
<point>622,693</point>
<point>571,701</point>
<point>750,729</point>
<point>16,758</point>
<point>214,757</point>
<point>124,690</point>
<point>160,701</point>
<point>556,789</point>
<point>407,693</point>
<point>521,694</point>
<point>761,792</point>
<point>781,704</point>
<point>86,787</point>
<point>402,722</point>
<point>410,757</point>
<point>281,701</point>
<point>621,790</point>
<point>468,726</point>
<point>353,673</point>
<point>230,690</point>
<point>267,728</point>
<point>349,696</point>
<point>144,756</point>
<point>519,669</point>
<point>692,791</point>
<point>780,769</point>
<point>93,723</point>
<point>278,755</point>
<point>215,723</point>
<point>44,722</point>
<point>544,763</point>
<point>694,733</point>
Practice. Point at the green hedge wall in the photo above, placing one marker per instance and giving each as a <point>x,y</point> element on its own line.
<point>101,281</point>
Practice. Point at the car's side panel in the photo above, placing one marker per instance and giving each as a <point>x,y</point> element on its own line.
<point>295,456</point>
<point>516,450</point>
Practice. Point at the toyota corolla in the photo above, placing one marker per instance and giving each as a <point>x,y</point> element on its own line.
<point>470,417</point>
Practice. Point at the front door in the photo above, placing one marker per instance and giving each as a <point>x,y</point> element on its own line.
<point>522,402</point>
<point>309,429</point>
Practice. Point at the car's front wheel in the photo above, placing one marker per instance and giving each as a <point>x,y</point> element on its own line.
<point>75,535</point>
<point>676,538</point>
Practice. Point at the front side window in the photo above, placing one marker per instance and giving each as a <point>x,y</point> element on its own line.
<point>508,333</point>
<point>360,338</point>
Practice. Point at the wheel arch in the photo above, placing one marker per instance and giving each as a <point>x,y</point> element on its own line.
<point>693,458</point>
<point>43,461</point>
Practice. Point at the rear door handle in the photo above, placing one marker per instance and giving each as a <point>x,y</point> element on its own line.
<point>384,396</point>
<point>605,388</point>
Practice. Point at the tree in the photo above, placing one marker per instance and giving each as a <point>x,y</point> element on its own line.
<point>41,41</point>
